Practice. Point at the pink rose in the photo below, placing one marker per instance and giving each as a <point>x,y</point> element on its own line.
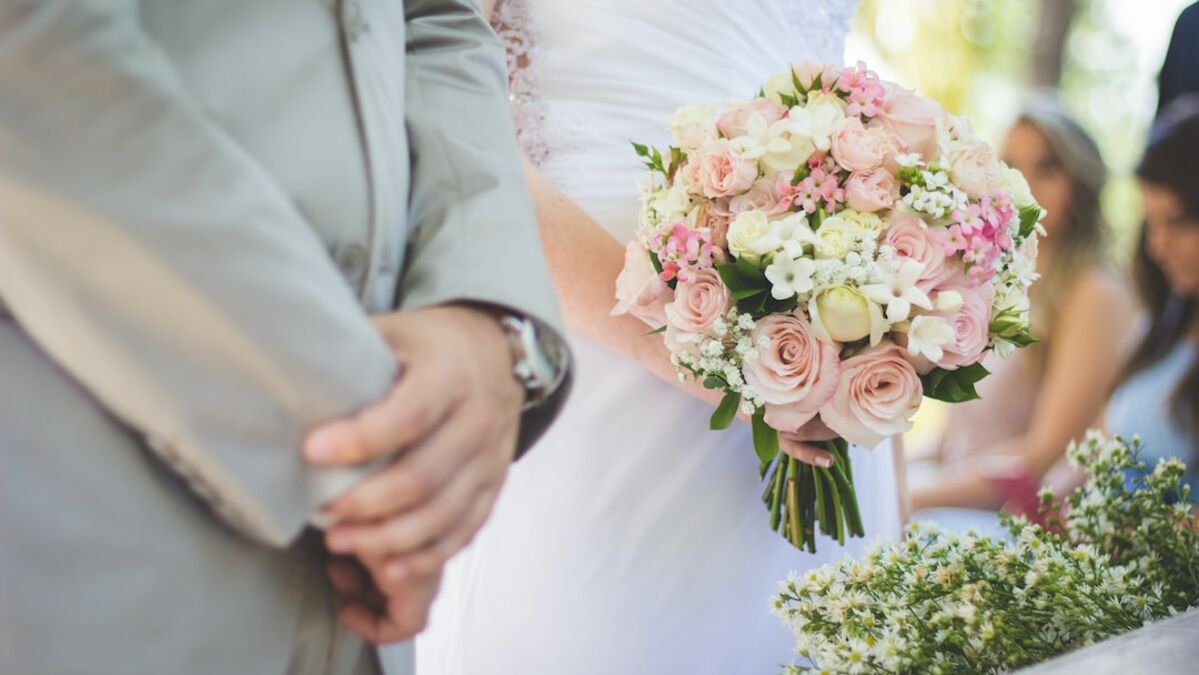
<point>878,393</point>
<point>639,290</point>
<point>722,172</point>
<point>971,325</point>
<point>911,238</point>
<point>807,71</point>
<point>795,372</point>
<point>697,303</point>
<point>734,122</point>
<point>762,196</point>
<point>871,191</point>
<point>976,171</point>
<point>913,119</point>
<point>857,148</point>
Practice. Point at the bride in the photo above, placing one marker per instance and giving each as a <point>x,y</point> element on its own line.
<point>632,539</point>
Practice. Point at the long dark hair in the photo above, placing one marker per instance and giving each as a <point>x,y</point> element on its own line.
<point>1171,161</point>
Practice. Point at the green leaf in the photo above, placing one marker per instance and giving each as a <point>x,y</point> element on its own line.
<point>726,412</point>
<point>789,100</point>
<point>677,158</point>
<point>742,278</point>
<point>641,150</point>
<point>653,259</point>
<point>713,382</point>
<point>657,331</point>
<point>1023,339</point>
<point>766,440</point>
<point>954,386</point>
<point>1029,215</point>
<point>801,172</point>
<point>774,306</point>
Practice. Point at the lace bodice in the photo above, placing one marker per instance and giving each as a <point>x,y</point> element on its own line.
<point>586,77</point>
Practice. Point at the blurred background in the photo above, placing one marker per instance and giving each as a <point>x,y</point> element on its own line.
<point>980,58</point>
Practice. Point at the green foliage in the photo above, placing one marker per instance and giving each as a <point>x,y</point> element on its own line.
<point>954,386</point>
<point>726,412</point>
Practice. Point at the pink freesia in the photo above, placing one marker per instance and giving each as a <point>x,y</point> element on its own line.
<point>721,171</point>
<point>913,119</point>
<point>865,93</point>
<point>857,148</point>
<point>697,303</point>
<point>734,122</point>
<point>795,372</point>
<point>877,396</point>
<point>871,191</point>
<point>971,324</point>
<point>640,292</point>
<point>911,238</point>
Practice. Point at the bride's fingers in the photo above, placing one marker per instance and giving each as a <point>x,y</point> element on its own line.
<point>808,454</point>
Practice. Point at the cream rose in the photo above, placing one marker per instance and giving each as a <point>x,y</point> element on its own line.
<point>836,238</point>
<point>795,372</point>
<point>692,126</point>
<point>640,292</point>
<point>1017,186</point>
<point>871,191</point>
<point>864,221</point>
<point>749,236</point>
<point>876,397</point>
<point>721,170</point>
<point>842,314</point>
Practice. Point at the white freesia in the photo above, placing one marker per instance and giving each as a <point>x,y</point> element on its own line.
<point>789,277</point>
<point>792,234</point>
<point>897,289</point>
<point>783,148</point>
<point>948,302</point>
<point>843,314</point>
<point>750,236</point>
<point>928,336</point>
<point>818,121</point>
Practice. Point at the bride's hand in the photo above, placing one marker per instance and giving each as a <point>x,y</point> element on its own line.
<point>797,444</point>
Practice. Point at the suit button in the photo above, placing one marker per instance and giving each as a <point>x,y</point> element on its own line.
<point>352,260</point>
<point>354,23</point>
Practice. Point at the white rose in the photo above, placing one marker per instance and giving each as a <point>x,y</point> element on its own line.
<point>779,85</point>
<point>693,125</point>
<point>750,236</point>
<point>842,314</point>
<point>1016,185</point>
<point>836,238</point>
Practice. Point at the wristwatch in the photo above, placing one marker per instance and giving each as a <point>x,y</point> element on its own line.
<point>540,360</point>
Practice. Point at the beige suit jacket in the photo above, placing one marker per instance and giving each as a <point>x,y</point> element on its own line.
<point>201,202</point>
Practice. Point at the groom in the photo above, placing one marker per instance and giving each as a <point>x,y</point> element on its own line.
<point>232,231</point>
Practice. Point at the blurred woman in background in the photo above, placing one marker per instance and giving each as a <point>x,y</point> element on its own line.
<point>1157,397</point>
<point>996,452</point>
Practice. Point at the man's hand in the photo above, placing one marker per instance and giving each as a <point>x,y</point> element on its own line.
<point>377,617</point>
<point>451,420</point>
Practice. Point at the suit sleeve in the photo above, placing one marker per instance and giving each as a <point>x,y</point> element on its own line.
<point>476,232</point>
<point>150,257</point>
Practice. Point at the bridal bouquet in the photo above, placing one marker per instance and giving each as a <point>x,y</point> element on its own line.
<point>825,254</point>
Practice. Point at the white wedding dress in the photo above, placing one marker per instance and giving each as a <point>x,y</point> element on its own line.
<point>632,540</point>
